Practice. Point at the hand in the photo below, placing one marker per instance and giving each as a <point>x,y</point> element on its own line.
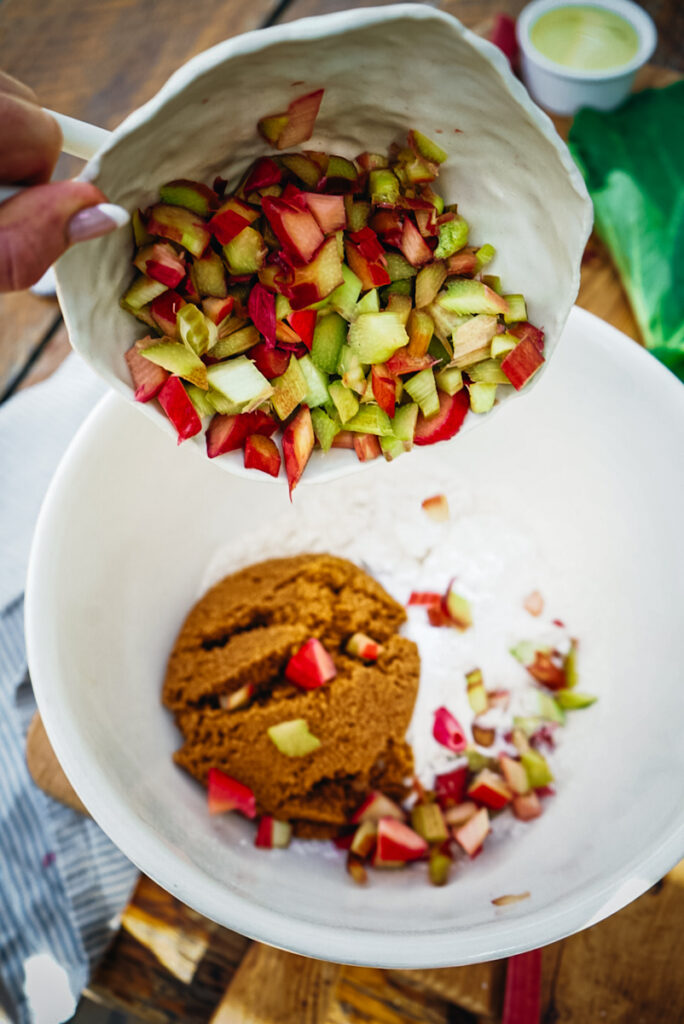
<point>38,225</point>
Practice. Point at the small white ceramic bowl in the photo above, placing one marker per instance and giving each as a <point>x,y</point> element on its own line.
<point>565,90</point>
<point>384,71</point>
<point>587,466</point>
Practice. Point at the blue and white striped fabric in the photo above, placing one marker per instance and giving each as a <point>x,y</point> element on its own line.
<point>62,883</point>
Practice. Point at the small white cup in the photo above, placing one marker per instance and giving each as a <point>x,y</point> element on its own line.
<point>564,90</point>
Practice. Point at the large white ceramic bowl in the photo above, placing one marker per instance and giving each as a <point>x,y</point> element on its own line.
<point>589,466</point>
<point>384,71</point>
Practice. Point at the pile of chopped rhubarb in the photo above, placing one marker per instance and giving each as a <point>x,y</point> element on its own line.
<point>492,773</point>
<point>336,301</point>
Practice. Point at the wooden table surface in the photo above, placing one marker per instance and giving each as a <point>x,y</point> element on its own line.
<point>98,60</point>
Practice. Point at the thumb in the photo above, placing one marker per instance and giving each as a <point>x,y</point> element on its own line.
<point>38,225</point>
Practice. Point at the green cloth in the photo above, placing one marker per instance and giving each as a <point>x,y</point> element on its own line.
<point>633,162</point>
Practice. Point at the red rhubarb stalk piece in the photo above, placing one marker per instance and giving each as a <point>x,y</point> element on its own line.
<point>298,443</point>
<point>311,666</point>
<point>384,388</point>
<point>272,834</point>
<point>527,806</point>
<point>301,117</point>
<point>490,790</point>
<point>148,378</point>
<point>377,806</point>
<point>262,453</point>
<point>217,309</point>
<point>522,999</point>
<point>463,263</point>
<point>303,323</point>
<point>522,362</point>
<point>413,245</point>
<point>164,311</point>
<point>447,422</point>
<point>450,786</point>
<point>328,210</point>
<point>261,308</point>
<point>227,794</point>
<point>296,230</point>
<point>161,262</point>
<point>366,241</point>
<point>264,172</point>
<point>174,400</point>
<point>228,433</point>
<point>547,672</point>
<point>404,362</point>
<point>448,731</point>
<point>425,597</point>
<point>397,842</point>
<point>527,330</point>
<point>227,225</point>
<point>343,439</point>
<point>472,835</point>
<point>367,447</point>
<point>272,362</point>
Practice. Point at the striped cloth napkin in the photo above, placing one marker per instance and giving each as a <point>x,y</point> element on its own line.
<point>62,883</point>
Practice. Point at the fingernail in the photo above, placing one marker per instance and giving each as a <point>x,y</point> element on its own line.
<point>94,221</point>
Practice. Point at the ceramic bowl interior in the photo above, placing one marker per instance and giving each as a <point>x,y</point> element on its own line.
<point>384,71</point>
<point>586,467</point>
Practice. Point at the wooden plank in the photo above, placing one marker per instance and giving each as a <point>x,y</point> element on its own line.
<point>274,987</point>
<point>477,988</point>
<point>24,321</point>
<point>366,995</point>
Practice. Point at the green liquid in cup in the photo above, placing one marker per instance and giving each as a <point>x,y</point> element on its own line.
<point>585,37</point>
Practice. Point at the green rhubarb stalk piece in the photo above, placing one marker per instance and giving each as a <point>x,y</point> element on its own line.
<point>482,397</point>
<point>472,340</point>
<point>222,404</point>
<point>368,304</point>
<point>340,167</point>
<point>477,694</point>
<point>439,866</point>
<point>517,309</point>
<point>494,282</point>
<point>571,700</point>
<point>452,236</point>
<point>383,186</point>
<point>330,334</point>
<point>502,344</point>
<point>570,666</point>
<point>549,709</point>
<point>317,383</point>
<point>293,738</point>
<point>235,343</point>
<point>245,253</point>
<point>403,287</point>
<point>428,282</point>
<point>140,232</point>
<point>398,267</point>
<point>428,149</point>
<point>190,194</point>
<point>449,380</point>
<point>537,768</point>
<point>370,419</point>
<point>402,305</point>
<point>484,255</point>
<point>459,610</point>
<point>306,170</point>
<point>487,372</point>
<point>428,821</point>
<point>404,422</point>
<point>375,337</point>
<point>201,401</point>
<point>178,359</point>
<point>344,298</point>
<point>525,651</point>
<point>142,291</point>
<point>346,402</point>
<point>464,295</point>
<point>325,428</point>
<point>290,389</point>
<point>350,369</point>
<point>209,276</point>
<point>197,331</point>
<point>282,307</point>
<point>477,760</point>
<point>423,390</point>
<point>357,213</point>
<point>239,381</point>
<point>392,447</point>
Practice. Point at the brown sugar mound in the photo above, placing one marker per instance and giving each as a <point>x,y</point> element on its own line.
<point>244,630</point>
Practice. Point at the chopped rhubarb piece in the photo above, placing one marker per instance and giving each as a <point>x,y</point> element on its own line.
<point>148,378</point>
<point>489,789</point>
<point>448,731</point>
<point>218,310</point>
<point>537,768</point>
<point>299,121</point>
<point>526,330</point>
<point>527,806</point>
<point>450,786</point>
<point>317,279</point>
<point>293,738</point>
<point>164,311</point>
<point>272,834</point>
<point>458,609</point>
<point>228,433</point>
<point>227,794</point>
<point>436,507</point>
<point>389,224</point>
<point>403,361</point>
<point>303,323</point>
<point>425,597</point>
<point>438,617</point>
<point>367,447</point>
<point>356,869</point>
<point>371,273</point>
<point>298,443</point>
<point>398,842</point>
<point>238,698</point>
<point>262,453</point>
<point>162,263</point>
<point>175,402</point>
<point>227,225</point>
<point>460,813</point>
<point>413,245</point>
<point>534,603</point>
<point>522,363</point>
<point>472,835</point>
<point>311,666</point>
<point>343,439</point>
<point>261,308</point>
<point>428,821</point>
<point>328,210</point>
<point>515,775</point>
<point>384,388</point>
<point>272,362</point>
<point>364,839</point>
<point>193,195</point>
<point>447,422</point>
<point>179,225</point>
<point>377,806</point>
<point>297,230</point>
<point>263,173</point>
<point>462,263</point>
<point>546,671</point>
<point>361,646</point>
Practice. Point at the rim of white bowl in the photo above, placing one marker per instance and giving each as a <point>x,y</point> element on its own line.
<point>336,23</point>
<point>640,20</point>
<point>139,842</point>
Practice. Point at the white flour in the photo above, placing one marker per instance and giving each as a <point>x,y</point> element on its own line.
<point>495,565</point>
